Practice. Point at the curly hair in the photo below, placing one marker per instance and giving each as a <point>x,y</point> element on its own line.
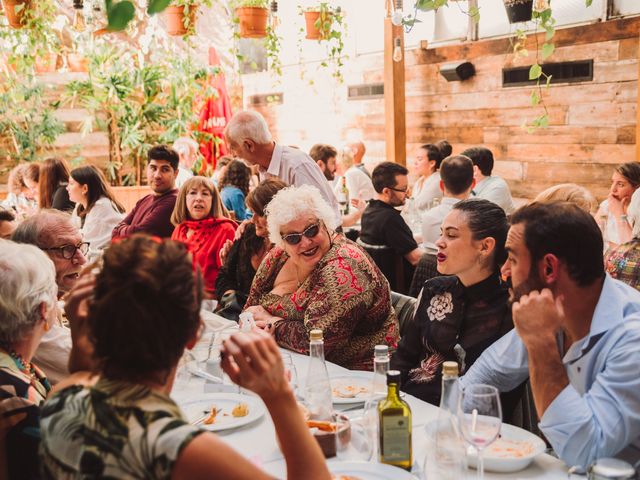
<point>237,175</point>
<point>145,309</point>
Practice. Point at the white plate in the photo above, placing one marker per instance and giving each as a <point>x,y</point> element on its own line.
<point>358,383</point>
<point>194,409</point>
<point>501,461</point>
<point>369,471</point>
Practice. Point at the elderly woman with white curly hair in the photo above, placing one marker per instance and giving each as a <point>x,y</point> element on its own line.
<point>316,278</point>
<point>28,308</point>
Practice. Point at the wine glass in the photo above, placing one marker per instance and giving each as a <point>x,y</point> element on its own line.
<point>290,372</point>
<point>480,415</point>
<point>353,440</point>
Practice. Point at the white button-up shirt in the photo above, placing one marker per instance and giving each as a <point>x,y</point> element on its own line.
<point>496,190</point>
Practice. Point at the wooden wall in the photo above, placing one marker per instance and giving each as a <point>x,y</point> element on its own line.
<point>592,124</point>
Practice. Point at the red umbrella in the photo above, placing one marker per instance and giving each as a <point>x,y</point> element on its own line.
<point>214,117</point>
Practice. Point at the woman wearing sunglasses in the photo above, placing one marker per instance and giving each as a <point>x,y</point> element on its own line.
<point>316,278</point>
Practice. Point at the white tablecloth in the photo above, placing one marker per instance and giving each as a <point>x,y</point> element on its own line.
<point>257,441</point>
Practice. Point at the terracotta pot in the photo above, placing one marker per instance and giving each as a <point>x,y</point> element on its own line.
<point>15,18</point>
<point>46,63</point>
<point>77,62</point>
<point>313,32</point>
<point>253,21</point>
<point>518,10</point>
<point>174,18</point>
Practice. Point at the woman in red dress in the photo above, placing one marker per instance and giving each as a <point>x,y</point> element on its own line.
<point>202,223</point>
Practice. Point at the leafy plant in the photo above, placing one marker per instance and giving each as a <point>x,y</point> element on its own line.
<point>331,26</point>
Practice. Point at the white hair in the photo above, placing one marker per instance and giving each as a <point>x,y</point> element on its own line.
<point>345,157</point>
<point>633,212</point>
<point>248,125</point>
<point>293,203</point>
<point>185,146</point>
<point>27,279</point>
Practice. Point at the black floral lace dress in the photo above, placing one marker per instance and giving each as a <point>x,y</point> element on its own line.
<point>451,322</point>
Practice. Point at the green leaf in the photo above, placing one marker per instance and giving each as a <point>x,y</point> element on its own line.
<point>474,12</point>
<point>550,32</point>
<point>157,6</point>
<point>119,15</point>
<point>588,2</point>
<point>548,80</point>
<point>535,71</point>
<point>535,97</point>
<point>547,50</point>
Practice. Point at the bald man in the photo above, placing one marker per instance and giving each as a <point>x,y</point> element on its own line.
<point>359,150</point>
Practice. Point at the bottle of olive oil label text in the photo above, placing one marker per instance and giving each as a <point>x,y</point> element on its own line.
<point>395,425</point>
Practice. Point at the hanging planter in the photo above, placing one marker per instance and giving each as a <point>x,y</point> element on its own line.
<point>46,63</point>
<point>253,21</point>
<point>177,24</point>
<point>14,10</point>
<point>315,24</point>
<point>77,62</point>
<point>518,10</point>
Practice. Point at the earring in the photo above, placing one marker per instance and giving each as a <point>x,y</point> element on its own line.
<point>47,327</point>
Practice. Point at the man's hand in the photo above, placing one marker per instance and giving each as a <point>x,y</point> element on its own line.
<point>538,317</point>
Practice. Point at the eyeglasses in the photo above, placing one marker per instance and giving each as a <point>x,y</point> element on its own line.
<point>69,251</point>
<point>401,190</point>
<point>309,232</point>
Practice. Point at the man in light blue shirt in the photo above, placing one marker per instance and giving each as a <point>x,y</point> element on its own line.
<point>577,336</point>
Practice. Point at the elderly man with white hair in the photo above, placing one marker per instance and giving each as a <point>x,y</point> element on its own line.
<point>27,311</point>
<point>52,232</point>
<point>249,138</point>
<point>314,277</point>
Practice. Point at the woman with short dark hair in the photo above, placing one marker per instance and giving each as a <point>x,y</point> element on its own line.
<point>143,313</point>
<point>458,315</point>
<point>97,210</point>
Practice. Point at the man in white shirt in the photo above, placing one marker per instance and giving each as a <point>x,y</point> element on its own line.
<point>456,182</point>
<point>488,186</point>
<point>249,138</point>
<point>53,232</point>
<point>358,150</point>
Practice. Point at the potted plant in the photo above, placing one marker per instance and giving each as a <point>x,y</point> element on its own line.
<point>325,24</point>
<point>180,17</point>
<point>518,10</point>
<point>15,11</point>
<point>252,17</point>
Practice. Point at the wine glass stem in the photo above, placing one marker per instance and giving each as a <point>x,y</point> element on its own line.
<point>480,465</point>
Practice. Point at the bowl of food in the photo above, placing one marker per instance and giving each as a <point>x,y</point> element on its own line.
<point>327,433</point>
<point>513,450</point>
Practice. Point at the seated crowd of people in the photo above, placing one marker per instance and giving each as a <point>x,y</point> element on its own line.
<point>542,297</point>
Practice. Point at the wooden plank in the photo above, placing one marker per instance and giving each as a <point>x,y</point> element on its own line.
<point>602,114</point>
<point>638,113</point>
<point>394,97</point>
<point>585,34</point>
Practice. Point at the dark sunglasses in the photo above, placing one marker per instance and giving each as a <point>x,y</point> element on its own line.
<point>69,251</point>
<point>309,232</point>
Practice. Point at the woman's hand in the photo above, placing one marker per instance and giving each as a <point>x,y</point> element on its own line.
<point>224,251</point>
<point>260,314</point>
<point>618,207</point>
<point>253,361</point>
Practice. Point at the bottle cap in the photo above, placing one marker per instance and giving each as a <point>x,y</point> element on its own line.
<point>315,334</point>
<point>381,350</point>
<point>393,376</point>
<point>450,368</point>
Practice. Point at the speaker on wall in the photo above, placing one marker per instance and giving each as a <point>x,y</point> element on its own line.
<point>457,71</point>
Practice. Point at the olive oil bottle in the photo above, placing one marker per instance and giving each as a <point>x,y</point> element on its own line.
<point>395,425</point>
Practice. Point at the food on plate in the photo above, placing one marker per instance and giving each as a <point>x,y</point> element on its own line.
<point>349,391</point>
<point>505,448</point>
<point>210,420</point>
<point>322,425</point>
<point>240,410</point>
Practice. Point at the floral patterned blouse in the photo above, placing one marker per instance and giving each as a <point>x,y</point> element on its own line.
<point>345,295</point>
<point>451,322</point>
<point>623,262</point>
<point>112,430</point>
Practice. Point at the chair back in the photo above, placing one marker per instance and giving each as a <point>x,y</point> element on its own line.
<point>404,307</point>
<point>390,264</point>
<point>426,269</point>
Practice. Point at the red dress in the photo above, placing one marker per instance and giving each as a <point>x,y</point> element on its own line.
<point>206,240</point>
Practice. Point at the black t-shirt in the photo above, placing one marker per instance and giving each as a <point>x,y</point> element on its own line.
<point>383,225</point>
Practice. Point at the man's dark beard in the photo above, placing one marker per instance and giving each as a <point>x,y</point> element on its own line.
<point>533,282</point>
<point>328,174</point>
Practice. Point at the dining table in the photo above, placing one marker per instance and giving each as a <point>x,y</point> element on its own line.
<point>257,440</point>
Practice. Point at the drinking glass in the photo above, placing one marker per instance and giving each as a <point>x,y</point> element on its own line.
<point>480,415</point>
<point>291,372</point>
<point>353,440</point>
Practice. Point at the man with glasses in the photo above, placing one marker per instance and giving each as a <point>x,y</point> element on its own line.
<point>382,225</point>
<point>456,183</point>
<point>53,232</point>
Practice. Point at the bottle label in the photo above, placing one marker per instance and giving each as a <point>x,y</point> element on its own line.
<point>396,443</point>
